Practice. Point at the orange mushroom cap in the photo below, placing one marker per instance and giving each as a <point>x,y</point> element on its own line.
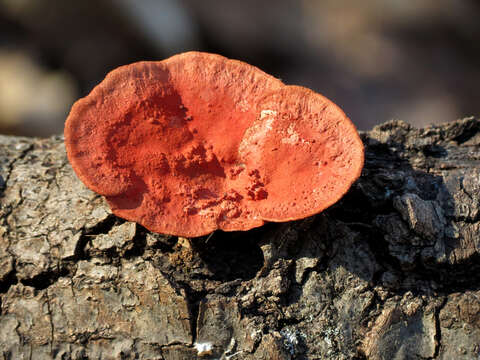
<point>198,142</point>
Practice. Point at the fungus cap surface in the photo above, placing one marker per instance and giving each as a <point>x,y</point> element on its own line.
<point>198,142</point>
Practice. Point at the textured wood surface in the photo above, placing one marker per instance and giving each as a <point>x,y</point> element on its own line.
<point>392,271</point>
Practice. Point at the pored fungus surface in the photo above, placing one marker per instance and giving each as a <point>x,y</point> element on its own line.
<point>198,142</point>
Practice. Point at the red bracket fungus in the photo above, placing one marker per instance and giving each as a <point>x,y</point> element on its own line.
<point>198,142</point>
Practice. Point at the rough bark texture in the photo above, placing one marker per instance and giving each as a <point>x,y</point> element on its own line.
<point>390,272</point>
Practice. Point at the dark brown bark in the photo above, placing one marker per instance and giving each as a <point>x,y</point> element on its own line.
<point>390,272</point>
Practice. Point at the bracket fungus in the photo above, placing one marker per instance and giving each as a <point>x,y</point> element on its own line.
<point>199,142</point>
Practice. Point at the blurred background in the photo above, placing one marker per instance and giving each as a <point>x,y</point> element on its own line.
<point>377,59</point>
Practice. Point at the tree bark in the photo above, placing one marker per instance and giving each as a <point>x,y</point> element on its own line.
<point>392,271</point>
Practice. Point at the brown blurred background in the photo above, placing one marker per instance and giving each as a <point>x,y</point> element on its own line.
<point>378,59</point>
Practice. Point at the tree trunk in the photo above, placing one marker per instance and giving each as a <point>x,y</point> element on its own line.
<point>392,271</point>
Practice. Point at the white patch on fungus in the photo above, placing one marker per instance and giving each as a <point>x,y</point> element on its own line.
<point>293,137</point>
<point>269,115</point>
<point>243,105</point>
<point>255,136</point>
